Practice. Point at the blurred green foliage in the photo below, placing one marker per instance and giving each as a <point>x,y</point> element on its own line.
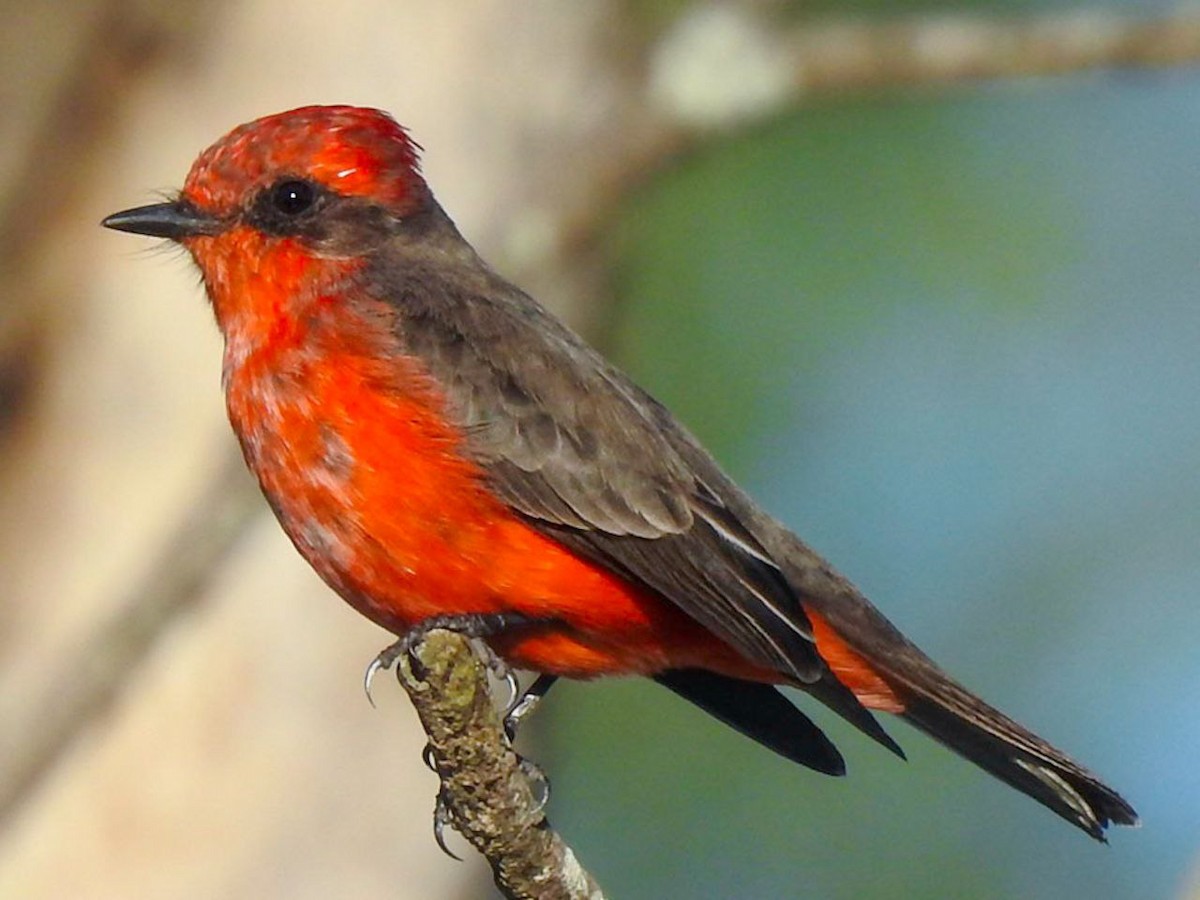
<point>740,256</point>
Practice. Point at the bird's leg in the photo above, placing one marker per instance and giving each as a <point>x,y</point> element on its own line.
<point>526,703</point>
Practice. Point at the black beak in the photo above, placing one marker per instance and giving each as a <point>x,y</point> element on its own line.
<point>175,220</point>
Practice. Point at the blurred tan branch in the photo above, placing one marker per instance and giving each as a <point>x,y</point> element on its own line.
<point>90,679</point>
<point>489,798</point>
<point>953,49</point>
<point>49,147</point>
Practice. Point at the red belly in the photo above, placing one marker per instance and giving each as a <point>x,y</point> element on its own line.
<point>368,478</point>
<point>371,486</point>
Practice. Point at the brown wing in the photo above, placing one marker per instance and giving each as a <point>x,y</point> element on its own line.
<point>587,456</point>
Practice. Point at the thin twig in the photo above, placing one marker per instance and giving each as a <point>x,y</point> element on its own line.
<point>960,49</point>
<point>489,798</point>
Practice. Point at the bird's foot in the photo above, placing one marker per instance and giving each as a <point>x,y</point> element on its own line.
<point>476,627</point>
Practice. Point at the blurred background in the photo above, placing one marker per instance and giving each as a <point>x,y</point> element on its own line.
<point>923,276</point>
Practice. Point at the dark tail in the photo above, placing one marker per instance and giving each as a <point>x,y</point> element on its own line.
<point>991,740</point>
<point>949,713</point>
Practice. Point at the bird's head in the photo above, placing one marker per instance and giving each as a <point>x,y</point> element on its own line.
<point>280,207</point>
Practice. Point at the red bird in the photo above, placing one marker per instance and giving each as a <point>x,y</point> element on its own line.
<point>440,448</point>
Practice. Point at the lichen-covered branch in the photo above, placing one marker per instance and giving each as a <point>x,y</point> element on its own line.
<point>490,799</point>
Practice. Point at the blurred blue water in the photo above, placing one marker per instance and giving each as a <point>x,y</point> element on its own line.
<point>955,345</point>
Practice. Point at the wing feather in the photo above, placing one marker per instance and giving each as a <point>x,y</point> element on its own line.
<point>587,456</point>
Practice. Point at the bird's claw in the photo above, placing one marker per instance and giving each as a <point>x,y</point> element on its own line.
<point>442,818</point>
<point>502,671</point>
<point>381,663</point>
<point>538,781</point>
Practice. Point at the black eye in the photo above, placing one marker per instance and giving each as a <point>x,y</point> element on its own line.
<point>293,197</point>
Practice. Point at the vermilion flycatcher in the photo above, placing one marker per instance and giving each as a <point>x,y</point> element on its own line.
<point>438,446</point>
